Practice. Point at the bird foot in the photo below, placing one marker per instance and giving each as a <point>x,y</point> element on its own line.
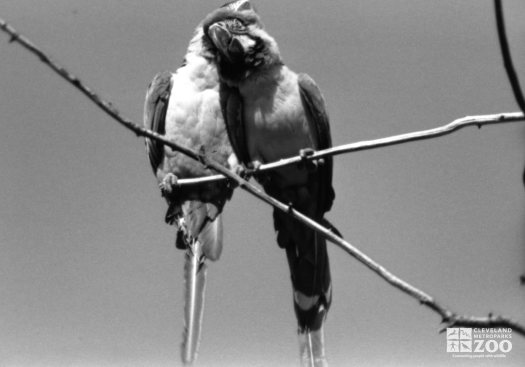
<point>246,172</point>
<point>305,162</point>
<point>254,166</point>
<point>240,170</point>
<point>168,183</point>
<point>306,152</point>
<point>254,170</point>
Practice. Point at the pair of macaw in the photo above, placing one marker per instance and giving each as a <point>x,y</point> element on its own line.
<point>234,96</point>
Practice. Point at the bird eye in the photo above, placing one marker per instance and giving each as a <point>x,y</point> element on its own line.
<point>236,25</point>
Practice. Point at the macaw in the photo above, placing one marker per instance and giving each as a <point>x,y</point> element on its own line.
<point>271,113</point>
<point>184,106</point>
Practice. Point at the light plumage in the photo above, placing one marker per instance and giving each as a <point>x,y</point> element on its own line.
<point>185,107</point>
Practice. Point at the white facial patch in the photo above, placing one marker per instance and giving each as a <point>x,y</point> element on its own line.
<point>246,42</point>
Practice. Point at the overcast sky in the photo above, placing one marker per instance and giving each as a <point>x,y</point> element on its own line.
<point>89,275</point>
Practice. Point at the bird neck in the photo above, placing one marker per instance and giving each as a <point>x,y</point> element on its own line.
<point>262,80</point>
<point>239,75</point>
<point>201,71</point>
<point>200,45</point>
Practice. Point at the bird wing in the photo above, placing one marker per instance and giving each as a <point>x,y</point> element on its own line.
<point>314,105</point>
<point>155,107</point>
<point>231,105</point>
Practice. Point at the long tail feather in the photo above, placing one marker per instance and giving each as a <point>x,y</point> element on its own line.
<point>311,345</point>
<point>195,283</point>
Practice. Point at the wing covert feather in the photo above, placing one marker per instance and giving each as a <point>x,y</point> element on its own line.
<point>314,104</point>
<point>155,107</point>
<point>232,111</point>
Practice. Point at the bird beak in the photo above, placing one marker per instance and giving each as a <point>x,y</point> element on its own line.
<point>225,42</point>
<point>220,36</point>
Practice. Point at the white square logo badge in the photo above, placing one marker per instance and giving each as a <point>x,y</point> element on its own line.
<point>453,346</point>
<point>465,346</point>
<point>465,333</point>
<point>452,333</point>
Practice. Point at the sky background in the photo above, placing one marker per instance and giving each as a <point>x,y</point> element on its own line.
<point>89,275</point>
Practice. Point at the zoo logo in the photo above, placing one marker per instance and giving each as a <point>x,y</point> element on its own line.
<point>468,340</point>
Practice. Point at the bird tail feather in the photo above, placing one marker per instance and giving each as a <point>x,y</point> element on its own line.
<point>311,347</point>
<point>195,284</point>
<point>200,228</point>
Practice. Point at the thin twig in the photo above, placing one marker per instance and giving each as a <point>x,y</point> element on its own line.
<point>447,316</point>
<point>479,121</point>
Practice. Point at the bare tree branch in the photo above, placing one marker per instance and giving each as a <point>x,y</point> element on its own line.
<point>447,316</point>
<point>507,59</point>
<point>509,67</point>
<point>479,121</point>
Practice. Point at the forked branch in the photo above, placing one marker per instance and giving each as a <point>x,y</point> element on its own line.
<point>449,317</point>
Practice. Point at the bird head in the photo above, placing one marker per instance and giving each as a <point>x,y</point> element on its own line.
<point>242,46</point>
<point>200,44</point>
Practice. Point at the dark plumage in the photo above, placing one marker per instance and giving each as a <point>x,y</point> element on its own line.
<point>272,113</point>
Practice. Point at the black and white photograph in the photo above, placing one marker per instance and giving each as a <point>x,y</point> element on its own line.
<point>262,183</point>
